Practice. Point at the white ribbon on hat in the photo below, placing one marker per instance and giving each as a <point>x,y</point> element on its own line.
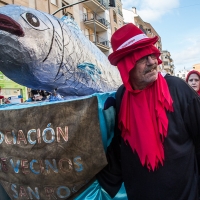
<point>132,41</point>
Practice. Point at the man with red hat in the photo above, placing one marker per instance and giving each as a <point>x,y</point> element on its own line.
<point>156,147</point>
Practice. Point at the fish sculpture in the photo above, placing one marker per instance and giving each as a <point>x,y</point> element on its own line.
<point>41,51</point>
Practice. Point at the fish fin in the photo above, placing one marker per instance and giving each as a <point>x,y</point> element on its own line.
<point>90,69</point>
<point>70,22</point>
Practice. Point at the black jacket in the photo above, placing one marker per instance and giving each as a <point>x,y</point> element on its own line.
<point>177,179</point>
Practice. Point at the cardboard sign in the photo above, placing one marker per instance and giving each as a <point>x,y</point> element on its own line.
<point>50,151</point>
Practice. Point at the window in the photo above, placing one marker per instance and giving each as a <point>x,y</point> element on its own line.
<point>32,4</point>
<point>114,16</point>
<point>67,11</point>
<point>120,24</point>
<point>87,33</point>
<point>165,63</point>
<point>64,10</point>
<point>119,11</point>
<point>177,75</point>
<point>69,15</point>
<point>54,2</point>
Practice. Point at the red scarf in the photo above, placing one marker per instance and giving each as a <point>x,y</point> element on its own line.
<point>142,117</point>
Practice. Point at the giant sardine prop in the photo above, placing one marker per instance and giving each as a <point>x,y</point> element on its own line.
<point>40,51</point>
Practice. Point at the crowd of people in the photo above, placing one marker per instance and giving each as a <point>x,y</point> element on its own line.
<point>38,95</point>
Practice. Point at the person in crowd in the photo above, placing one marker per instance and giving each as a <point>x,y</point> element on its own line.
<point>38,95</point>
<point>1,99</point>
<point>6,101</point>
<point>155,150</point>
<point>193,79</point>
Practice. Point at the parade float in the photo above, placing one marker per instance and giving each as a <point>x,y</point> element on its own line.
<point>54,149</point>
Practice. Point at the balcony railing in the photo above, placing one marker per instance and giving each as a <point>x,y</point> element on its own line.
<point>102,2</point>
<point>142,29</point>
<point>120,12</point>
<point>93,16</point>
<point>99,40</point>
<point>96,5</point>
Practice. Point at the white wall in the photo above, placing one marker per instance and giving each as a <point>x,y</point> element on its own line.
<point>129,16</point>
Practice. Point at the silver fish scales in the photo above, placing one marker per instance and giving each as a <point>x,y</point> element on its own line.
<point>41,51</point>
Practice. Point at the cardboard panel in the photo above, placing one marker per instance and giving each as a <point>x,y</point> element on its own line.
<point>50,151</point>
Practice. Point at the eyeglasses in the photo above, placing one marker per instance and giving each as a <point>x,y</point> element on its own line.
<point>144,59</point>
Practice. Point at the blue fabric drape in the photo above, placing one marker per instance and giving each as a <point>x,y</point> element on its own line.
<point>106,119</point>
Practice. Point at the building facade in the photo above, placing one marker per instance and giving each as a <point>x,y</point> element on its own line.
<point>9,88</point>
<point>196,67</point>
<point>168,64</point>
<point>95,23</point>
<point>131,16</point>
<point>48,6</point>
<point>182,74</point>
<point>116,16</point>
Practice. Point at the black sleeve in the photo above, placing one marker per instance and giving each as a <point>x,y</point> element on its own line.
<point>110,178</point>
<point>187,101</point>
<point>192,121</point>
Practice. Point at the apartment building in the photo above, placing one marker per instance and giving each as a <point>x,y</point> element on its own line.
<point>168,64</point>
<point>48,6</point>
<point>131,16</point>
<point>196,67</point>
<point>151,32</point>
<point>95,23</point>
<point>116,16</point>
<point>182,73</point>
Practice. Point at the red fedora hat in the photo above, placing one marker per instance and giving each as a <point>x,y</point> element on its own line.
<point>127,39</point>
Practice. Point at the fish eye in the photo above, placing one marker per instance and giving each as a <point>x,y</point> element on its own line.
<point>34,21</point>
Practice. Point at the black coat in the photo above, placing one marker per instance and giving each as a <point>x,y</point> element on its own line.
<point>177,179</point>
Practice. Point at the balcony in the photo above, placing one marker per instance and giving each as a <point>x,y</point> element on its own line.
<point>96,5</point>
<point>142,29</point>
<point>95,22</point>
<point>168,67</point>
<point>120,12</point>
<point>102,43</point>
